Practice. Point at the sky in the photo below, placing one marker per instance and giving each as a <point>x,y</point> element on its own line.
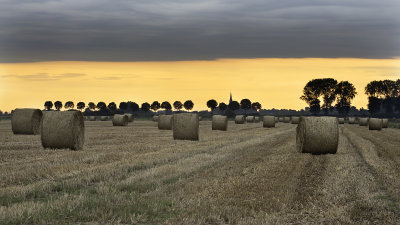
<point>141,50</point>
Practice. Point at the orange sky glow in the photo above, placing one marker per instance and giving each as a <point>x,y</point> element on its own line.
<point>274,82</point>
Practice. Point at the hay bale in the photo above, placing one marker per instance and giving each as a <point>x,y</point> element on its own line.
<point>363,121</point>
<point>63,130</point>
<point>200,118</point>
<point>92,118</point>
<point>352,120</point>
<point>26,121</point>
<point>130,117</point>
<point>341,120</point>
<point>375,124</point>
<point>104,118</point>
<point>240,119</point>
<point>219,122</point>
<point>186,126</point>
<point>165,122</point>
<point>250,119</point>
<point>295,119</point>
<point>276,119</point>
<point>120,120</point>
<point>317,135</point>
<point>256,119</point>
<point>269,121</point>
<point>155,118</point>
<point>280,119</point>
<point>286,119</point>
<point>385,123</point>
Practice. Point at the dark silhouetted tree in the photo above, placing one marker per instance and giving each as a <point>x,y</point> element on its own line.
<point>58,105</point>
<point>166,105</point>
<point>80,105</point>
<point>48,105</point>
<point>345,92</point>
<point>245,104</point>
<point>112,106</point>
<point>178,105</point>
<point>155,106</point>
<point>328,91</point>
<point>101,106</point>
<point>123,106</point>
<point>374,105</point>
<point>256,106</point>
<point>311,93</point>
<point>145,107</point>
<point>212,104</point>
<point>234,105</point>
<point>69,105</point>
<point>188,105</point>
<point>134,106</point>
<point>222,106</point>
<point>91,106</point>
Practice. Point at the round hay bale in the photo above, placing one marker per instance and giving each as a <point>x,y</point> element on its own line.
<point>130,117</point>
<point>219,122</point>
<point>26,121</point>
<point>250,119</point>
<point>295,119</point>
<point>385,123</point>
<point>280,119</point>
<point>104,118</point>
<point>120,120</point>
<point>269,121</point>
<point>92,118</point>
<point>155,118</point>
<point>375,124</point>
<point>63,130</point>
<point>317,135</point>
<point>276,119</point>
<point>200,118</point>
<point>352,120</point>
<point>256,119</point>
<point>240,119</point>
<point>186,126</point>
<point>286,119</point>
<point>165,122</point>
<point>363,121</point>
<point>341,120</point>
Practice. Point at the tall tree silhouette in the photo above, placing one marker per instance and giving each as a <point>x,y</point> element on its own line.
<point>178,105</point>
<point>212,104</point>
<point>311,93</point>
<point>134,106</point>
<point>112,106</point>
<point>245,104</point>
<point>123,106</point>
<point>328,92</point>
<point>222,106</point>
<point>256,106</point>
<point>145,107</point>
<point>80,106</point>
<point>155,106</point>
<point>234,105</point>
<point>91,106</point>
<point>101,106</point>
<point>188,105</point>
<point>345,92</point>
<point>58,105</point>
<point>166,105</point>
<point>69,105</point>
<point>48,105</point>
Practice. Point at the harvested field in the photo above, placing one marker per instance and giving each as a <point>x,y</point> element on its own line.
<point>247,175</point>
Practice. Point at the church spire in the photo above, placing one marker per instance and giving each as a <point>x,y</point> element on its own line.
<point>230,98</point>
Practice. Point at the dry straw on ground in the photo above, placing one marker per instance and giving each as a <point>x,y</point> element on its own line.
<point>385,123</point>
<point>269,121</point>
<point>286,119</point>
<point>186,126</point>
<point>130,117</point>
<point>165,122</point>
<point>104,118</point>
<point>363,122</point>
<point>219,122</point>
<point>63,130</point>
<point>250,119</point>
<point>375,124</point>
<point>120,120</point>
<point>341,120</point>
<point>352,120</point>
<point>26,121</point>
<point>240,119</point>
<point>295,119</point>
<point>155,118</point>
<point>317,135</point>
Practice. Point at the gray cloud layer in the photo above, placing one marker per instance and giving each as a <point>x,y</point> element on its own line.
<point>137,30</point>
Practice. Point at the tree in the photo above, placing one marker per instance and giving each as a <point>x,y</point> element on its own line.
<point>374,105</point>
<point>145,107</point>
<point>222,106</point>
<point>134,106</point>
<point>212,104</point>
<point>48,105</point>
<point>315,107</point>
<point>123,106</point>
<point>58,105</point>
<point>345,92</point>
<point>80,105</point>
<point>112,106</point>
<point>234,105</point>
<point>188,105</point>
<point>69,105</point>
<point>155,106</point>
<point>328,91</point>
<point>166,105</point>
<point>256,106</point>
<point>311,93</point>
<point>101,106</point>
<point>91,106</point>
<point>245,104</point>
<point>178,105</point>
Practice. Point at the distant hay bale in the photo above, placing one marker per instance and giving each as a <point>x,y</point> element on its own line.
<point>186,126</point>
<point>280,119</point>
<point>375,124</point>
<point>219,122</point>
<point>341,120</point>
<point>352,120</point>
<point>256,119</point>
<point>286,119</point>
<point>295,119</point>
<point>104,118</point>
<point>239,119</point>
<point>165,122</point>
<point>26,121</point>
<point>63,130</point>
<point>363,121</point>
<point>276,119</point>
<point>269,121</point>
<point>385,123</point>
<point>130,117</point>
<point>250,119</point>
<point>317,135</point>
<point>120,120</point>
<point>155,118</point>
<point>92,118</point>
<point>200,118</point>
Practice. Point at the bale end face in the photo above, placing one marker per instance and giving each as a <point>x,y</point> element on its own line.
<point>286,119</point>
<point>256,119</point>
<point>375,124</point>
<point>385,123</point>
<point>269,121</point>
<point>26,121</point>
<point>240,119</point>
<point>120,120</point>
<point>250,119</point>
<point>186,126</point>
<point>341,120</point>
<point>130,117</point>
<point>352,120</point>
<point>363,121</point>
<point>219,123</point>
<point>295,120</point>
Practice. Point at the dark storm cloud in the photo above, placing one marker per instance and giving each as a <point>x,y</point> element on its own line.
<point>136,30</point>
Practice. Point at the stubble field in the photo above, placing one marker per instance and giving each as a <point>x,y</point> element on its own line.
<point>246,175</point>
